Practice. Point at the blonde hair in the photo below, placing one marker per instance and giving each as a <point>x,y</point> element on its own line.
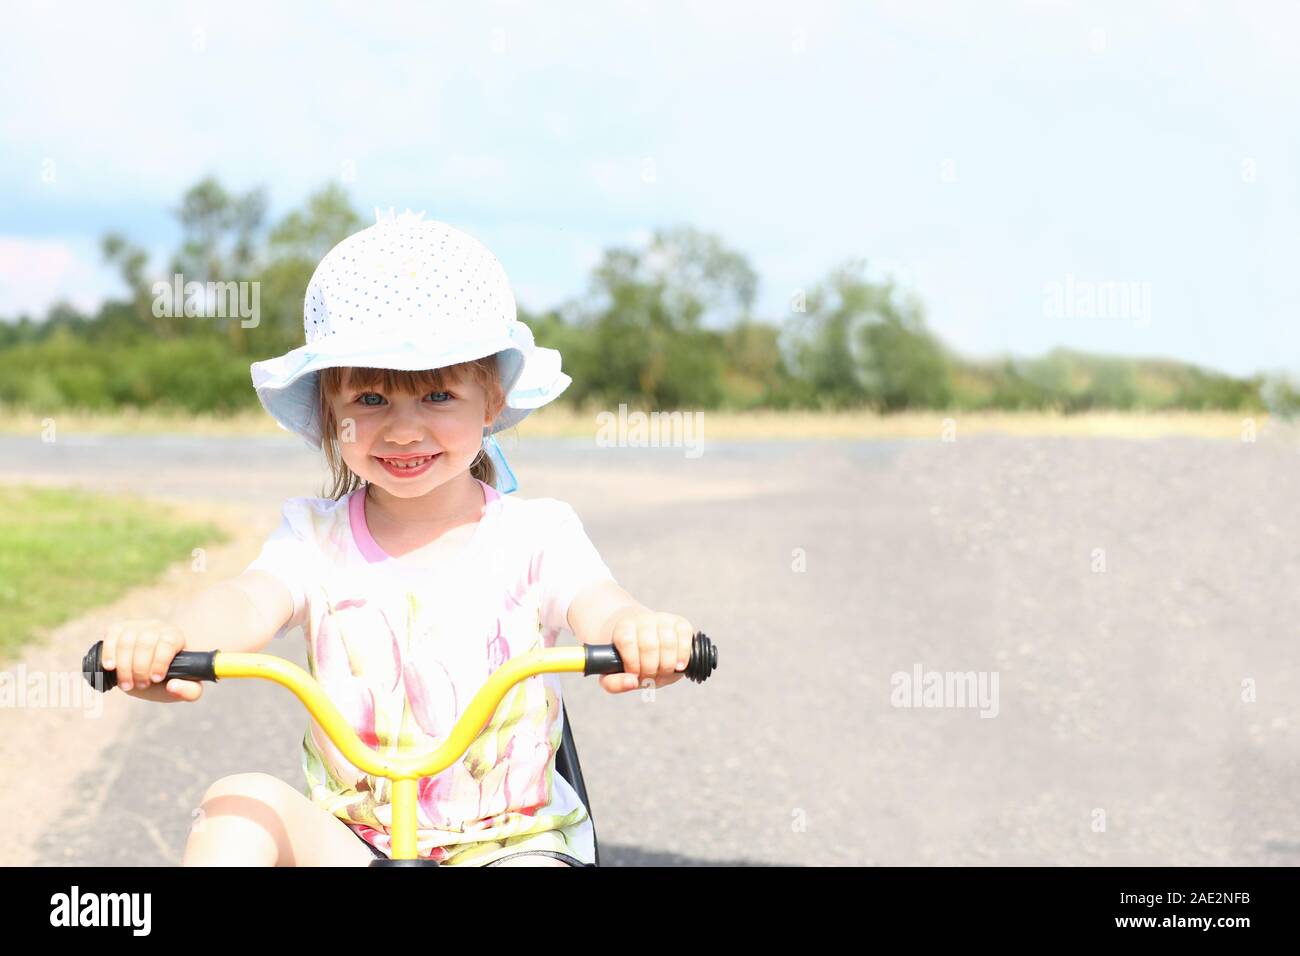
<point>484,371</point>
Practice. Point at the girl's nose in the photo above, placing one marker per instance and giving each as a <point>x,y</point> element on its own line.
<point>399,435</point>
<point>402,426</point>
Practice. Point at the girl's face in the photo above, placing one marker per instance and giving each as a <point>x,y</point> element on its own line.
<point>436,435</point>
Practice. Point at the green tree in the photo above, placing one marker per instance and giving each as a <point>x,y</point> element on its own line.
<point>646,315</point>
<point>307,235</point>
<point>860,343</point>
<point>755,373</point>
<point>219,243</point>
<point>219,232</point>
<point>133,317</point>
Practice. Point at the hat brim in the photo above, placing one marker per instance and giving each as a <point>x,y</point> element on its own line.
<point>287,385</point>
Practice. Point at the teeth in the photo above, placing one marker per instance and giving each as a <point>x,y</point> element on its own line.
<point>414,463</point>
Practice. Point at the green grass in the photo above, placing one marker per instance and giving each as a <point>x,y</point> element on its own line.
<point>64,551</point>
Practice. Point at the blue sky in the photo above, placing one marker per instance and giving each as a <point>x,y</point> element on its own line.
<point>981,153</point>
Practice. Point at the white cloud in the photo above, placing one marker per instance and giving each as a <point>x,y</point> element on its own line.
<point>35,273</point>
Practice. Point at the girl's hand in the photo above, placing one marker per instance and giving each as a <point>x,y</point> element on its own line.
<point>139,649</point>
<point>655,646</point>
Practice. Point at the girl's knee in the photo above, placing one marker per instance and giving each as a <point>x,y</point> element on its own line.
<point>233,802</point>
<point>258,797</point>
<point>255,786</point>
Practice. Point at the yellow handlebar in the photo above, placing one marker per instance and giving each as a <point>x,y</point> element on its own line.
<point>405,770</point>
<point>397,766</point>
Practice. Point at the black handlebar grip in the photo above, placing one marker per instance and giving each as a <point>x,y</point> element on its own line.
<point>602,659</point>
<point>187,665</point>
<point>605,659</point>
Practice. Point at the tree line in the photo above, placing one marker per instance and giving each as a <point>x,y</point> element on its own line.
<point>668,325</point>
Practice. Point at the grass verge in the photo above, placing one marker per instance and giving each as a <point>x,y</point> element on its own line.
<point>63,551</point>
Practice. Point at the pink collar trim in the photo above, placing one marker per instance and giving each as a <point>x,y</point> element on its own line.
<point>367,545</point>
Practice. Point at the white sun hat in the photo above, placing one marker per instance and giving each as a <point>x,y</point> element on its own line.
<point>407,294</point>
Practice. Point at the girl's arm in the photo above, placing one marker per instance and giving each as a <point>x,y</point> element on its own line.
<point>596,610</point>
<point>241,614</point>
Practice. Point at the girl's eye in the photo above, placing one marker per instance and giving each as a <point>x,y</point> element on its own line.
<point>364,395</point>
<point>448,394</point>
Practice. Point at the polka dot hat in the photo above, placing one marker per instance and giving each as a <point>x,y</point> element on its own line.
<point>408,294</point>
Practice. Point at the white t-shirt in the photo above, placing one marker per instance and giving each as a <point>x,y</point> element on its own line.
<point>402,644</point>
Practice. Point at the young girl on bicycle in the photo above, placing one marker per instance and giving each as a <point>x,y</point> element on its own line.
<point>416,578</point>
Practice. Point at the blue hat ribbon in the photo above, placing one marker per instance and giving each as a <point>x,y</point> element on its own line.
<point>506,481</point>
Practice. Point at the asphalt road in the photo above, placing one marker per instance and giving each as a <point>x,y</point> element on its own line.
<point>1135,601</point>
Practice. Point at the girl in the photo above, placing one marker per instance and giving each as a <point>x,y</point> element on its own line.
<point>416,578</point>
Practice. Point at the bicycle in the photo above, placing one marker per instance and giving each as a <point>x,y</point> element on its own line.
<point>405,771</point>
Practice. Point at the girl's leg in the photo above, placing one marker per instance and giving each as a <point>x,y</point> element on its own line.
<point>255,819</point>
